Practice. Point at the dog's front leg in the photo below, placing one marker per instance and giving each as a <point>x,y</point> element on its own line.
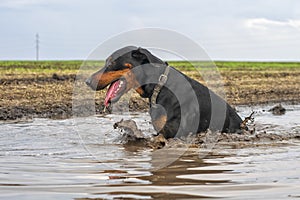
<point>159,118</point>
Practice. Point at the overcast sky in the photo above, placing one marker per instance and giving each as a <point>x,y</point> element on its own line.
<point>227,29</point>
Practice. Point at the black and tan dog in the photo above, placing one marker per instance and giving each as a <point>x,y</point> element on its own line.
<point>179,105</point>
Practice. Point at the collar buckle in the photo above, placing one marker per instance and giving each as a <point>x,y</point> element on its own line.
<point>162,79</point>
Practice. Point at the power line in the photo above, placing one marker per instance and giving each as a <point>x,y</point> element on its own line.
<point>37,41</point>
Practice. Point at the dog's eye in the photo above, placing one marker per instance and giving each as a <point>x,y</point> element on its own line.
<point>109,65</point>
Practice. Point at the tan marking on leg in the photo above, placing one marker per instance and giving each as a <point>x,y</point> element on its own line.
<point>159,123</point>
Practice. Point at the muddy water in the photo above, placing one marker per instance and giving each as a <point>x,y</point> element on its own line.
<point>83,158</point>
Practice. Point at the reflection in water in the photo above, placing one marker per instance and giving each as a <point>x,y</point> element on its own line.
<point>83,159</point>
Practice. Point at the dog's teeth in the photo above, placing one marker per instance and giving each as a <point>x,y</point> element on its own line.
<point>120,85</point>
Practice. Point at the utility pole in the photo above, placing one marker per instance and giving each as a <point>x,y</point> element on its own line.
<point>37,41</point>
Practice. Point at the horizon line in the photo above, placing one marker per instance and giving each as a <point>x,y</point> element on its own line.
<point>168,60</point>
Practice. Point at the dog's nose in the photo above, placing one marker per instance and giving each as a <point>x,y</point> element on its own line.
<point>88,81</point>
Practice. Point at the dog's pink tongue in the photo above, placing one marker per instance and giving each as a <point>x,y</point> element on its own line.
<point>111,92</point>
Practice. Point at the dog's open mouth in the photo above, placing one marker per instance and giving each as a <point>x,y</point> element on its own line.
<point>115,91</point>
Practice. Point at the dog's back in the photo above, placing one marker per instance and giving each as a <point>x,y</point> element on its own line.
<point>192,107</point>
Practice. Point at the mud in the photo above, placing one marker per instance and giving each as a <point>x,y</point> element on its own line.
<point>37,79</point>
<point>278,110</point>
<point>131,135</point>
<point>50,95</point>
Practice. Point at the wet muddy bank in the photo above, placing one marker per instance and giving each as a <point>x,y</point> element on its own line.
<point>64,109</point>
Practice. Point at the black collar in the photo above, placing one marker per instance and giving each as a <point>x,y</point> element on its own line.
<point>161,82</point>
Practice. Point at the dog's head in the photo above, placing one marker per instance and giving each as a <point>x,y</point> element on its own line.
<point>118,72</point>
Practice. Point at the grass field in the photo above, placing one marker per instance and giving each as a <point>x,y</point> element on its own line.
<point>73,66</point>
<point>45,88</point>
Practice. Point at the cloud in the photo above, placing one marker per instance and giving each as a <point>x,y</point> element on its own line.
<point>295,24</point>
<point>17,5</point>
<point>266,24</point>
<point>20,3</point>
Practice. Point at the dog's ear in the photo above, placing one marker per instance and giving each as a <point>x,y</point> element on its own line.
<point>138,54</point>
<point>145,56</point>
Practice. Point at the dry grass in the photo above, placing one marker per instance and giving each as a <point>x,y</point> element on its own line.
<point>39,94</point>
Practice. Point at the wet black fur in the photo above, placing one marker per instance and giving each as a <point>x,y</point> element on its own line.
<point>190,106</point>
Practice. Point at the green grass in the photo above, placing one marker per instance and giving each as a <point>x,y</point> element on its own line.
<point>258,65</point>
<point>226,65</point>
<point>74,65</point>
<point>47,66</point>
